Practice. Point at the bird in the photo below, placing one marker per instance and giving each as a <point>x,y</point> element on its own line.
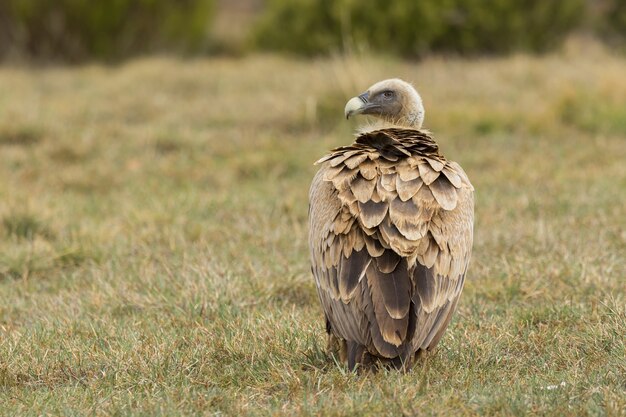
<point>390,233</point>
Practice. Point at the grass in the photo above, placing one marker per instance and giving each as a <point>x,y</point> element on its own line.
<point>153,255</point>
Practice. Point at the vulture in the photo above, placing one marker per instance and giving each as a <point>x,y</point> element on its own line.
<point>391,230</point>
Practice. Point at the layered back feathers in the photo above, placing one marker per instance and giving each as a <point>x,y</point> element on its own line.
<point>391,236</point>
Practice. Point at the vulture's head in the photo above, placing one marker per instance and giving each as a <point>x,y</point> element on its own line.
<point>394,101</point>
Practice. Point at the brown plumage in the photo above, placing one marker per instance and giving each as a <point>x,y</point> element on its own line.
<point>390,233</point>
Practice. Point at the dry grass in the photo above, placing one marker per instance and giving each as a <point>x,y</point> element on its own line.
<point>153,253</point>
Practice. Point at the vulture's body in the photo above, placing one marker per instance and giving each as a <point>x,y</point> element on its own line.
<point>390,238</point>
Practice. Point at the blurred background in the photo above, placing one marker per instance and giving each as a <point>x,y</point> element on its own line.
<point>75,30</point>
<point>155,159</point>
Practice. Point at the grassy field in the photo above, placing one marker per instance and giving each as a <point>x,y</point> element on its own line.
<point>153,238</point>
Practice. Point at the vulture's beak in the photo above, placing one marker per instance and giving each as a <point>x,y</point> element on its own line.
<point>357,105</point>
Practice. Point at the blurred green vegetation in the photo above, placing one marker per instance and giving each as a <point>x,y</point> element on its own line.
<point>616,20</point>
<point>79,30</point>
<point>411,28</point>
<point>103,29</point>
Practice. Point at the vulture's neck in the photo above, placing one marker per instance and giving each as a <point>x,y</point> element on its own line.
<point>411,118</point>
<point>379,124</point>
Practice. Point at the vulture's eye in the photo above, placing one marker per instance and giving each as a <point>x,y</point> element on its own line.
<point>388,94</point>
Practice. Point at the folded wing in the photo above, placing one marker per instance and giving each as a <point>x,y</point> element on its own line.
<point>390,236</point>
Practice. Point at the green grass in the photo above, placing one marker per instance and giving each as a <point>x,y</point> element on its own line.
<point>153,238</point>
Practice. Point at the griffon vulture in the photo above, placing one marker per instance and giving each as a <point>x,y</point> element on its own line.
<point>391,229</point>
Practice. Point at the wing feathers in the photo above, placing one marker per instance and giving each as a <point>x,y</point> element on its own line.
<point>444,192</point>
<point>362,188</point>
<point>435,164</point>
<point>355,160</point>
<point>407,189</point>
<point>374,248</point>
<point>388,261</point>
<point>372,213</point>
<point>368,170</point>
<point>390,297</point>
<point>452,176</point>
<point>390,239</point>
<point>427,173</point>
<point>405,216</point>
<point>425,283</point>
<point>351,270</point>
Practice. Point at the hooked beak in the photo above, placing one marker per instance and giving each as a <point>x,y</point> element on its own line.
<point>358,105</point>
